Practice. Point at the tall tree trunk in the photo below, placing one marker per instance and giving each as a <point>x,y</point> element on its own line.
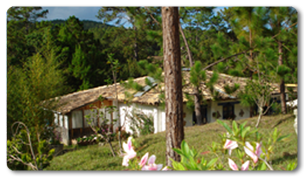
<point>197,106</point>
<point>250,44</point>
<point>173,83</point>
<point>187,46</point>
<point>118,115</point>
<point>260,117</point>
<point>135,44</point>
<point>282,83</point>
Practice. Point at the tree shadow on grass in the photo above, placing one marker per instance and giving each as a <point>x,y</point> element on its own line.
<point>286,156</point>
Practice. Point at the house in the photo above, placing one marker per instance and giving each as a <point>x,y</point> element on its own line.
<point>70,117</point>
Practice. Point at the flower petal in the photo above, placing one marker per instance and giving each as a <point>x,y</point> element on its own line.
<point>232,165</point>
<point>159,166</point>
<point>249,151</point>
<point>131,154</point>
<point>258,150</point>
<point>229,152</point>
<point>144,159</point>
<point>249,145</point>
<point>230,144</point>
<point>144,168</point>
<point>245,166</point>
<point>150,167</point>
<point>125,161</point>
<point>165,168</point>
<point>152,159</point>
<point>125,147</point>
<point>130,143</point>
<point>227,143</point>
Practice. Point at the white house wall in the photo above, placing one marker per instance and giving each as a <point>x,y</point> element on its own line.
<point>237,109</point>
<point>146,109</point>
<point>159,115</point>
<point>62,127</point>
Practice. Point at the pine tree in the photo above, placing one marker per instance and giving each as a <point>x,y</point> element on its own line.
<point>31,90</point>
<point>20,23</point>
<point>282,19</point>
<point>173,82</point>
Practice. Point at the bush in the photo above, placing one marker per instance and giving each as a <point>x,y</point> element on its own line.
<point>141,124</point>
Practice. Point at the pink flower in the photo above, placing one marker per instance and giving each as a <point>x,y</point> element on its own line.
<point>151,165</point>
<point>144,160</point>
<point>165,168</point>
<point>234,167</point>
<point>129,152</point>
<point>230,145</point>
<point>254,155</point>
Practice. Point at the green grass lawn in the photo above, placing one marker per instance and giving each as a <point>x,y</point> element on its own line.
<point>96,157</point>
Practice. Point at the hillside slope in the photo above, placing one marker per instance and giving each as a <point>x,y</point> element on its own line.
<point>200,137</point>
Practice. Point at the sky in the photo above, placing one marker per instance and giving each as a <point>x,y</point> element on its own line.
<point>82,13</point>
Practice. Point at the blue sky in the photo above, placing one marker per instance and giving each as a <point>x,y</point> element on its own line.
<point>83,13</point>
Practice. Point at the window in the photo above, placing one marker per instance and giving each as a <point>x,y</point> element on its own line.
<point>91,116</point>
<point>77,119</point>
<point>228,111</point>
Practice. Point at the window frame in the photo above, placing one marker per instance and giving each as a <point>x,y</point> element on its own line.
<point>226,113</point>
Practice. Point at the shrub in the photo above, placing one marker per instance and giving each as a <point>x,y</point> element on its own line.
<point>141,123</point>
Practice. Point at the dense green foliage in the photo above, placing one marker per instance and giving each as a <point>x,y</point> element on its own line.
<point>47,59</point>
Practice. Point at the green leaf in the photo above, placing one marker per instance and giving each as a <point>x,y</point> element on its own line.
<point>177,165</point>
<point>225,125</point>
<point>235,127</point>
<point>185,149</point>
<point>247,129</point>
<point>263,167</point>
<point>275,134</point>
<point>243,124</point>
<point>192,164</point>
<point>283,137</point>
<point>291,166</point>
<point>212,162</point>
<point>178,151</point>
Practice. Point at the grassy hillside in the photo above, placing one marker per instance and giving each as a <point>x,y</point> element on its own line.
<point>200,137</point>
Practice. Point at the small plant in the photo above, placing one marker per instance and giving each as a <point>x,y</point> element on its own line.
<point>102,128</point>
<point>20,152</point>
<point>130,160</point>
<point>253,155</point>
<point>56,139</point>
<point>141,123</point>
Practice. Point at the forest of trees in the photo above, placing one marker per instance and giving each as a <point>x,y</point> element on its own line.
<point>46,59</point>
<point>82,46</point>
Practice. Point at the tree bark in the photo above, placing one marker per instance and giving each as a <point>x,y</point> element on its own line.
<point>173,83</point>
<point>118,114</point>
<point>260,117</point>
<point>135,44</point>
<point>250,44</point>
<point>197,108</point>
<point>282,83</point>
<point>197,105</point>
<point>187,46</point>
